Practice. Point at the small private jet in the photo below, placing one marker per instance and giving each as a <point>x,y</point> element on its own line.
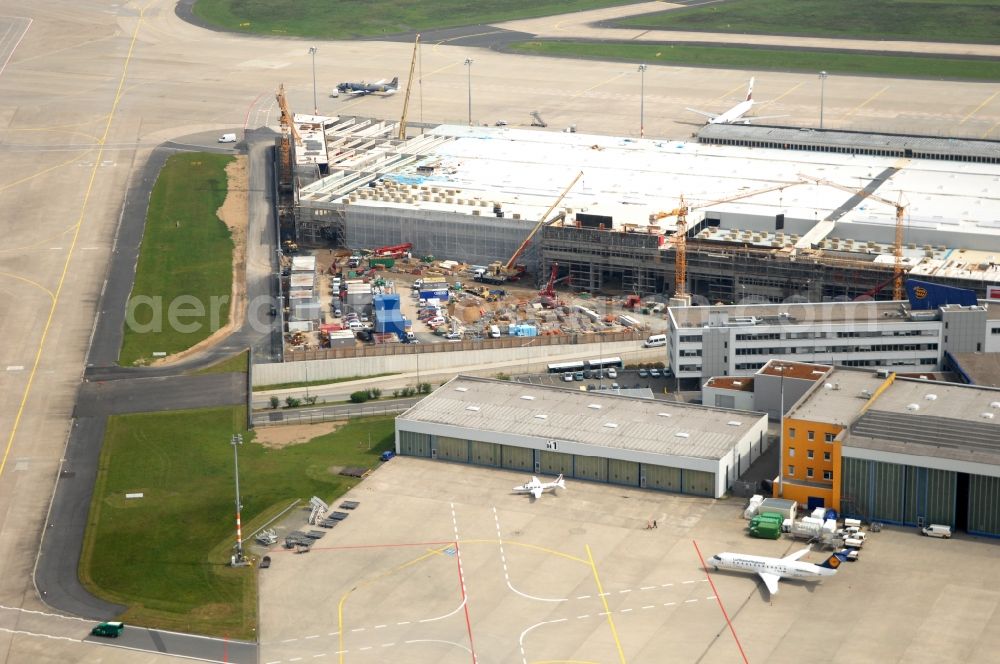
<point>773,570</point>
<point>736,113</point>
<point>363,88</point>
<point>536,488</point>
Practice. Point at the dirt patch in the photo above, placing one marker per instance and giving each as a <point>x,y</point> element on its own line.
<point>277,437</point>
<point>235,214</point>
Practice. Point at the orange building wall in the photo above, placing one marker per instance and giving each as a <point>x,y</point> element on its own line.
<point>792,486</point>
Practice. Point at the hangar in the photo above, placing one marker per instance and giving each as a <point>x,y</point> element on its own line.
<point>597,436</point>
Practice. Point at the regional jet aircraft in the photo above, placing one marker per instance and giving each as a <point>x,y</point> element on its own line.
<point>773,570</point>
<point>363,88</point>
<point>537,488</point>
<point>736,113</point>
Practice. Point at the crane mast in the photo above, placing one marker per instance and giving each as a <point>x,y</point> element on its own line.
<point>409,84</point>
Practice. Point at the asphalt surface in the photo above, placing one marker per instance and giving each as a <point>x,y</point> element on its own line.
<point>182,645</point>
<point>325,413</point>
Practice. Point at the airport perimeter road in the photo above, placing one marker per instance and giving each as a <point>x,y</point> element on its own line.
<point>326,413</point>
<point>89,91</point>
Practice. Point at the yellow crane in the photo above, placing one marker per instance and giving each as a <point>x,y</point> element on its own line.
<point>287,125</point>
<point>509,265</point>
<point>679,239</point>
<point>409,84</point>
<point>897,246</point>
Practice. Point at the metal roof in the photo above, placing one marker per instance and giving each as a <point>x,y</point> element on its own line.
<point>593,418</point>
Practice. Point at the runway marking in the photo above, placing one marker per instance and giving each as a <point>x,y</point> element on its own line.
<point>990,130</point>
<point>611,622</point>
<point>520,641</point>
<point>379,626</point>
<point>43,613</point>
<point>388,645</point>
<point>979,108</point>
<point>76,235</point>
<point>506,572</point>
<point>627,590</point>
<point>687,582</point>
<point>688,601</point>
<point>451,643</point>
<point>625,610</point>
<point>358,629</point>
<point>584,597</point>
<point>647,587</point>
<point>405,622</point>
<point>649,606</point>
<point>865,102</point>
<point>44,636</point>
<point>782,95</point>
<point>15,367</point>
<point>312,636</point>
<point>461,580</point>
<point>11,54</point>
<point>587,615</point>
<point>29,282</point>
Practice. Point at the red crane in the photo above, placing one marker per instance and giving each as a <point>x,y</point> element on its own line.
<point>393,251</point>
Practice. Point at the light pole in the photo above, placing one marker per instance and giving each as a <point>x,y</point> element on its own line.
<point>781,433</point>
<point>468,63</point>
<point>238,560</point>
<point>642,101</point>
<point>312,52</point>
<point>822,91</point>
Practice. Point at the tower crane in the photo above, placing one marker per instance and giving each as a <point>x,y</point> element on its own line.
<point>679,239</point>
<point>409,84</point>
<point>897,246</point>
<point>287,125</point>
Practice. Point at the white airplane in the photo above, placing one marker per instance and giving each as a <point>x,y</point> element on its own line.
<point>537,488</point>
<point>736,113</point>
<point>774,569</point>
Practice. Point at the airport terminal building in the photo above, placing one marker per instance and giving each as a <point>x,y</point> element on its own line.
<point>596,436</point>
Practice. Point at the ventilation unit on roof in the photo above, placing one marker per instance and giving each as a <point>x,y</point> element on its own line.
<point>461,389</point>
<point>474,409</point>
<point>995,404</point>
<point>527,397</point>
<point>734,423</point>
<point>664,414</point>
<point>865,394</point>
<point>986,416</point>
<point>930,397</point>
<point>912,407</point>
<point>595,406</point>
<point>610,425</point>
<point>682,434</point>
<point>541,416</point>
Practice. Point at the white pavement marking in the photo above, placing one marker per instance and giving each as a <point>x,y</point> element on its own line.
<point>15,367</point>
<point>687,582</point>
<point>447,615</point>
<point>524,659</point>
<point>586,615</point>
<point>322,654</point>
<point>688,601</point>
<point>647,588</point>
<point>43,613</point>
<point>405,622</point>
<point>44,636</point>
<point>379,626</point>
<point>627,590</point>
<point>649,606</point>
<point>388,645</point>
<point>358,629</point>
<point>626,610</point>
<point>669,603</point>
<point>584,597</point>
<point>450,643</point>
<point>288,640</point>
<point>313,636</point>
<point>506,574</point>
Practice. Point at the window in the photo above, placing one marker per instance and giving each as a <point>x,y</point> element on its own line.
<point>828,437</point>
<point>809,473</point>
<point>809,454</point>
<point>791,451</point>
<point>827,474</point>
<point>791,432</point>
<point>826,456</point>
<point>791,470</point>
<point>811,435</point>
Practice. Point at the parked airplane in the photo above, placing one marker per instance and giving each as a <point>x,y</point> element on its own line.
<point>363,88</point>
<point>736,113</point>
<point>537,488</point>
<point>774,569</point>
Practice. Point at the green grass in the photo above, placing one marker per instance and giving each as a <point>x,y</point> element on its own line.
<point>760,59</point>
<point>165,555</point>
<point>185,263</point>
<point>235,364</point>
<point>325,381</point>
<point>346,20</point>
<point>970,21</point>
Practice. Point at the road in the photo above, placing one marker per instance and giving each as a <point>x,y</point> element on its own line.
<point>329,412</point>
<point>91,90</point>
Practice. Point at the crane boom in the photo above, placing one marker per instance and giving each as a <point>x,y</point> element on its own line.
<point>541,222</point>
<point>409,84</point>
<point>897,245</point>
<point>286,115</point>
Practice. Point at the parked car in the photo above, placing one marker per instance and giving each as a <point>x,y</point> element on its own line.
<point>388,454</point>
<point>643,373</point>
<point>612,373</point>
<point>568,377</point>
<point>265,562</point>
<point>578,375</point>
<point>453,336</point>
<point>654,373</point>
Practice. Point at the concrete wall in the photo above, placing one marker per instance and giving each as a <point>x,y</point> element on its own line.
<point>767,393</point>
<point>513,360</point>
<point>964,329</point>
<point>727,398</point>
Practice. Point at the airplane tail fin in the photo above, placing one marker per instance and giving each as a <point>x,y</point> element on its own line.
<point>833,562</point>
<point>395,82</point>
<point>560,482</point>
<point>750,90</point>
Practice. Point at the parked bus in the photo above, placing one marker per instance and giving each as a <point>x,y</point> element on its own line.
<point>606,363</point>
<point>563,367</point>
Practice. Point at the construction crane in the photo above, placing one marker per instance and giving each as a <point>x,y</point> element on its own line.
<point>287,125</point>
<point>537,121</point>
<point>409,84</point>
<point>549,290</point>
<point>679,239</point>
<point>897,246</point>
<point>508,267</point>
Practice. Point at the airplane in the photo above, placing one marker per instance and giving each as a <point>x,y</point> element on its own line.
<point>536,488</point>
<point>736,113</point>
<point>363,88</point>
<point>773,570</point>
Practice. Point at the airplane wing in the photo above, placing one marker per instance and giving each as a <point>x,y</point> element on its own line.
<point>536,492</point>
<point>771,581</point>
<point>797,554</point>
<point>705,113</point>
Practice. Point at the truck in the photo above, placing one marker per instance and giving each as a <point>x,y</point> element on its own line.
<point>487,277</point>
<point>111,629</point>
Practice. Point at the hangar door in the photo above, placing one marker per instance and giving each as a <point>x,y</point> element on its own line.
<point>623,472</point>
<point>555,463</point>
<point>414,444</point>
<point>590,468</point>
<point>517,458</point>
<point>660,477</point>
<point>484,454</point>
<point>699,483</point>
<point>984,505</point>
<point>452,449</point>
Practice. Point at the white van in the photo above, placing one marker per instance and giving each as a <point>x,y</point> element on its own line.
<point>655,340</point>
<point>356,325</point>
<point>937,530</point>
<point>227,138</point>
<point>495,331</point>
